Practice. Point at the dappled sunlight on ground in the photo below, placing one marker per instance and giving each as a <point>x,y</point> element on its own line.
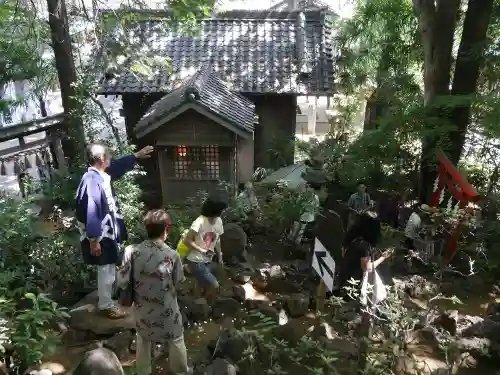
<point>64,360</point>
<point>266,249</point>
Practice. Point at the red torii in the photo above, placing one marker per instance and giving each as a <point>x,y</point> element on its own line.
<point>449,177</point>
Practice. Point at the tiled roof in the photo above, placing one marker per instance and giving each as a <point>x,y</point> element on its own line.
<point>254,51</point>
<point>207,90</point>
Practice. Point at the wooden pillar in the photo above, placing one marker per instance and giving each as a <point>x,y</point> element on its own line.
<point>54,136</point>
<point>321,296</point>
<point>20,177</point>
<point>58,153</point>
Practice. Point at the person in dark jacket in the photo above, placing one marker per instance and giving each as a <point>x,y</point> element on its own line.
<point>389,210</point>
<point>101,226</point>
<point>359,244</point>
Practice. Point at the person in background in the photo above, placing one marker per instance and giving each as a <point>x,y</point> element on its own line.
<point>414,225</point>
<point>308,217</point>
<point>389,210</point>
<point>358,203</point>
<point>101,226</point>
<point>203,241</point>
<point>360,242</point>
<point>248,199</point>
<point>157,274</point>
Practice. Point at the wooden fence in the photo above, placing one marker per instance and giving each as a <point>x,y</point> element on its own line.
<point>44,153</point>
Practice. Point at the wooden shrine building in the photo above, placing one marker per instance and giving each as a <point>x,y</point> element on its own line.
<point>228,103</point>
<point>204,133</point>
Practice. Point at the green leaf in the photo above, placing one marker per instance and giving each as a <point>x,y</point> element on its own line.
<point>30,296</point>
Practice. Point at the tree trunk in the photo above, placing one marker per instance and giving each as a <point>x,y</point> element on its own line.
<point>437,21</point>
<point>469,60</point>
<point>370,122</point>
<point>376,104</point>
<point>43,107</point>
<point>109,121</point>
<point>66,71</point>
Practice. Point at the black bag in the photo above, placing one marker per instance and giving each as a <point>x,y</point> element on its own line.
<point>126,296</point>
<point>120,252</point>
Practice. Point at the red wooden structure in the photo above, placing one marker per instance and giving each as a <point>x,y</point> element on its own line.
<point>451,182</point>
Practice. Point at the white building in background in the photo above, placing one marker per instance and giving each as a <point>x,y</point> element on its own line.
<point>26,106</point>
<point>312,118</point>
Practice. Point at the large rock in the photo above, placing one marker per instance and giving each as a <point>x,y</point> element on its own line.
<point>483,337</point>
<point>194,309</point>
<point>100,361</point>
<point>234,242</point>
<point>248,292</point>
<point>120,344</point>
<point>297,304</point>
<point>493,311</point>
<point>448,320</point>
<point>89,299</point>
<point>235,346</point>
<point>420,365</point>
<point>232,345</point>
<point>426,336</point>
<point>88,318</point>
<point>240,276</point>
<point>221,367</point>
<point>487,328</point>
<point>293,331</point>
<point>226,306</point>
<point>477,347</point>
<point>272,278</point>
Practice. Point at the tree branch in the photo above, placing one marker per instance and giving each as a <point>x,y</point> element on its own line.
<point>109,121</point>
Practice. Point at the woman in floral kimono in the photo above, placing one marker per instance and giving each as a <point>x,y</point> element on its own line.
<point>155,271</point>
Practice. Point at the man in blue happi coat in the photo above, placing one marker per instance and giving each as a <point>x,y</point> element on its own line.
<point>102,229</point>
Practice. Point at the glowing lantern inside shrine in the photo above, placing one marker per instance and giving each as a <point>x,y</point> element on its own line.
<point>181,151</point>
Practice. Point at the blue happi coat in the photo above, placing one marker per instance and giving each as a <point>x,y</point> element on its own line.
<point>93,214</point>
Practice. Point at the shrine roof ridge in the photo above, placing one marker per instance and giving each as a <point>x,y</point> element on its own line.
<point>208,91</point>
<point>289,52</point>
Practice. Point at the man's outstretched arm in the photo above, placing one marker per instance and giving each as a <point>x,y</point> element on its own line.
<point>120,166</point>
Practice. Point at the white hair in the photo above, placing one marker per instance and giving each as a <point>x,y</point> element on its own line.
<point>96,153</point>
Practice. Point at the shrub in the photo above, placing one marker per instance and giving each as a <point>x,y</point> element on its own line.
<point>26,313</point>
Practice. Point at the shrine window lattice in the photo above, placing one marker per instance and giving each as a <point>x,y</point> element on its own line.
<point>196,162</point>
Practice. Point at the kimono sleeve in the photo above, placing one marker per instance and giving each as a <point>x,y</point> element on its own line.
<point>119,167</point>
<point>178,272</point>
<point>124,273</point>
<point>94,218</point>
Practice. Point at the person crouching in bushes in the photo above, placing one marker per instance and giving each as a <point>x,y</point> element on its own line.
<point>203,241</point>
<point>360,243</point>
<point>308,216</point>
<point>248,199</point>
<point>416,222</point>
<point>155,272</point>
